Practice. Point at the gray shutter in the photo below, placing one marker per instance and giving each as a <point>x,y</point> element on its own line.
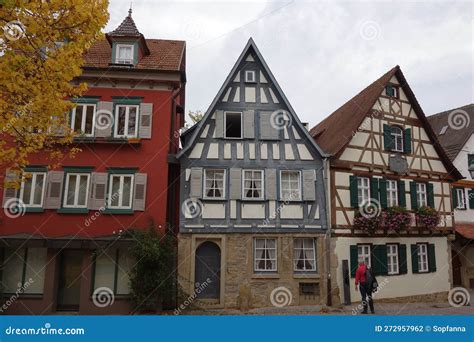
<point>146,115</point>
<point>104,119</point>
<point>139,195</point>
<point>270,182</point>
<point>267,131</point>
<point>196,183</point>
<point>235,191</point>
<point>54,189</point>
<point>9,192</point>
<point>98,190</point>
<point>309,178</point>
<point>249,124</point>
<point>219,131</point>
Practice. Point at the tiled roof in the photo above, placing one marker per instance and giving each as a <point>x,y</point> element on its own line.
<point>126,28</point>
<point>465,229</point>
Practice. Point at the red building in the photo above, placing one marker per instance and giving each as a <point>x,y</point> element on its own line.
<point>65,243</point>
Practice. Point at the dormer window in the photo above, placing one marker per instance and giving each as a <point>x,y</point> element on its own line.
<point>391,91</point>
<point>250,76</point>
<point>124,54</point>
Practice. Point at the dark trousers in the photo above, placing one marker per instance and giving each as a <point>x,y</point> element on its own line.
<point>366,294</point>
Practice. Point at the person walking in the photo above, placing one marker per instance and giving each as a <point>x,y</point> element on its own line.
<point>367,283</point>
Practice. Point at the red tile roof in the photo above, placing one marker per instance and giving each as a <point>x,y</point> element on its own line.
<point>465,229</point>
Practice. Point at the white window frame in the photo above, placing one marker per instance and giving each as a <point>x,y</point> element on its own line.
<point>223,192</point>
<point>122,176</point>
<point>252,79</point>
<point>364,251</point>
<point>397,144</point>
<point>392,193</point>
<point>313,249</point>
<point>421,195</point>
<point>76,190</point>
<point>241,124</point>
<point>363,190</point>
<point>127,118</point>
<point>117,54</point>
<point>299,186</point>
<point>461,198</point>
<point>83,121</point>
<point>255,263</point>
<point>244,189</point>
<point>392,259</point>
<point>422,249</point>
<point>33,186</point>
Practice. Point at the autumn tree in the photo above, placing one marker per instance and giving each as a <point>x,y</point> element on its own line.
<point>42,44</point>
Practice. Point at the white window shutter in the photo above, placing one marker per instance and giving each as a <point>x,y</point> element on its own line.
<point>98,191</point>
<point>146,116</point>
<point>196,183</point>
<point>104,119</point>
<point>309,190</point>
<point>139,195</point>
<point>54,189</point>
<point>270,183</point>
<point>219,130</point>
<point>10,192</point>
<point>249,124</point>
<point>235,191</point>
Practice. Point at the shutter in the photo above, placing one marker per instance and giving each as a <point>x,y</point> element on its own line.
<point>383,192</point>
<point>235,184</point>
<point>267,131</point>
<point>98,190</point>
<point>146,116</point>
<point>431,258</point>
<point>455,197</point>
<point>374,189</point>
<point>414,202</point>
<point>249,124</point>
<point>139,195</point>
<point>353,188</point>
<point>54,189</point>
<point>407,142</point>
<point>104,119</point>
<point>219,130</point>
<point>354,257</point>
<point>196,183</point>
<point>414,258</point>
<point>9,191</point>
<point>402,259</point>
<point>309,191</point>
<point>470,193</point>
<point>430,195</point>
<point>387,138</point>
<point>379,259</point>
<point>402,200</point>
<point>270,183</point>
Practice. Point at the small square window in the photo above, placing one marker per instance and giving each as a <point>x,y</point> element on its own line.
<point>391,91</point>
<point>124,54</point>
<point>250,76</point>
<point>233,125</point>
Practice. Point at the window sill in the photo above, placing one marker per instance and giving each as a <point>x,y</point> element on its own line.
<point>118,211</point>
<point>24,295</point>
<point>73,211</point>
<point>306,275</point>
<point>265,276</point>
<point>108,140</point>
<point>34,210</point>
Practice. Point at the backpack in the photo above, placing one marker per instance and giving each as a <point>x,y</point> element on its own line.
<point>370,280</point>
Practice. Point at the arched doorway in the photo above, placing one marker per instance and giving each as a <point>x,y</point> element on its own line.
<point>208,266</point>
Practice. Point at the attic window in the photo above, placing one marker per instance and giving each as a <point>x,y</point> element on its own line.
<point>443,130</point>
<point>391,91</point>
<point>124,54</point>
<point>250,76</point>
<point>233,125</point>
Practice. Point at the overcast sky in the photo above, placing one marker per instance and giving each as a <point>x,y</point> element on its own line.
<point>322,53</point>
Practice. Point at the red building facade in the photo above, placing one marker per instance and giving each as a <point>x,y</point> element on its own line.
<point>65,247</point>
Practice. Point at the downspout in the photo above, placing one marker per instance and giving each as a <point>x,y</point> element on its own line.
<point>327,185</point>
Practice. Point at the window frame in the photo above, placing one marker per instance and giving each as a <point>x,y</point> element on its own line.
<point>394,135</point>
<point>395,91</point>
<point>393,258</point>
<point>300,190</point>
<point>361,188</point>
<point>254,76</point>
<point>241,125</point>
<point>392,193</point>
<point>295,261</point>
<point>117,53</point>
<point>120,199</point>
<point>420,258</point>
<point>116,262</point>
<point>76,193</point>
<point>262,189</point>
<point>204,188</point>
<point>461,199</point>
<point>421,195</point>
<point>33,181</point>
<point>127,119</point>
<point>367,257</point>
<point>255,263</point>
<point>83,120</point>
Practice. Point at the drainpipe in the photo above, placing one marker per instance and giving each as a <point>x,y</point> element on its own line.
<point>327,186</point>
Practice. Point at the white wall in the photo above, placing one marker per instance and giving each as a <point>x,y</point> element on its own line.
<point>461,164</point>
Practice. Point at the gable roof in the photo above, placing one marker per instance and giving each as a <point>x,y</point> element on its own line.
<point>200,125</point>
<point>452,139</point>
<point>334,132</point>
<point>127,28</point>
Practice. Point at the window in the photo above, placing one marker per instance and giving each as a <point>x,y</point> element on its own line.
<point>392,193</point>
<point>32,189</point>
<point>233,125</point>
<point>290,185</point>
<point>363,190</point>
<point>461,199</point>
<point>124,54</point>
<point>82,119</point>
<point>112,270</point>
<point>214,183</point>
<point>120,191</point>
<point>265,255</point>
<point>423,257</point>
<point>126,120</point>
<point>391,91</point>
<point>421,196</point>
<point>470,164</point>
<point>363,251</point>
<point>397,138</point>
<point>250,76</point>
<point>76,190</point>
<point>392,259</point>
<point>24,269</point>
<point>304,254</point>
<point>253,184</point>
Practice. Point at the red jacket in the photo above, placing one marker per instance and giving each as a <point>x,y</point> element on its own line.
<point>360,274</point>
